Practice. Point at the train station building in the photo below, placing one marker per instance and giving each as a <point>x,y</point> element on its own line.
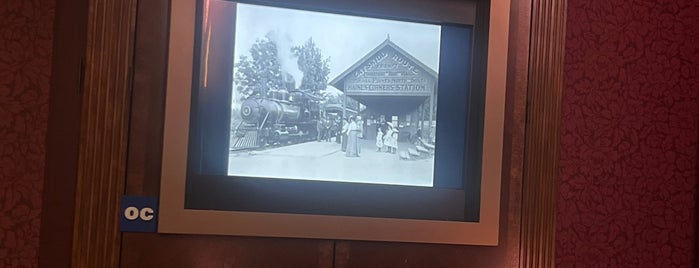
<point>393,86</point>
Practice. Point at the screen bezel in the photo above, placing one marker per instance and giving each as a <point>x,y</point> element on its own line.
<point>175,219</point>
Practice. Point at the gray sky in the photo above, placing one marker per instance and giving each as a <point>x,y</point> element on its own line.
<point>345,39</point>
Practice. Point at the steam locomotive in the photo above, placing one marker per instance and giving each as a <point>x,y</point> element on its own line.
<point>279,116</point>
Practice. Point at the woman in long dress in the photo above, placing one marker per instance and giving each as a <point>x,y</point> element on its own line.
<point>352,139</point>
<point>379,139</point>
<point>343,137</point>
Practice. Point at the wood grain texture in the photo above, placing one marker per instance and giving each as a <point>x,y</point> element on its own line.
<point>542,141</point>
<point>105,114</point>
<point>148,98</point>
<point>515,115</point>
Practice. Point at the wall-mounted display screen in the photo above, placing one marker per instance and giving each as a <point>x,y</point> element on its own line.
<point>296,107</point>
<point>331,97</point>
<point>332,120</point>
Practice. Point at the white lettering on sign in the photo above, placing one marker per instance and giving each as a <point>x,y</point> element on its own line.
<point>147,214</point>
<point>405,63</point>
<point>384,61</point>
<point>133,213</point>
<point>385,87</point>
<point>371,63</point>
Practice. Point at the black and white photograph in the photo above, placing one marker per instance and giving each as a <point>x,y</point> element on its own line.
<point>330,97</point>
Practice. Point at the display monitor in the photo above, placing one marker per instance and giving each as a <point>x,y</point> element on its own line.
<point>331,120</point>
<point>333,97</point>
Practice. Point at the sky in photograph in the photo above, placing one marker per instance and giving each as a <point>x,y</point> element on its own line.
<point>345,39</point>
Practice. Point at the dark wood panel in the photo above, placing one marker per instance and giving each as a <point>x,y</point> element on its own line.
<point>515,114</point>
<point>358,254</point>
<point>542,142</point>
<point>63,134</point>
<point>183,251</point>
<point>105,114</point>
<point>148,98</point>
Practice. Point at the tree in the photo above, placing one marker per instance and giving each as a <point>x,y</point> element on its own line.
<point>260,72</point>
<point>315,69</point>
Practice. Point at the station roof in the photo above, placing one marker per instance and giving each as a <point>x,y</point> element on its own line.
<point>337,82</point>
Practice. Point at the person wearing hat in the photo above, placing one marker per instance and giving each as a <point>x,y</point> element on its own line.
<point>391,138</point>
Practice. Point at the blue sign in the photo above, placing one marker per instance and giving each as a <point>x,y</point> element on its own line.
<point>139,214</point>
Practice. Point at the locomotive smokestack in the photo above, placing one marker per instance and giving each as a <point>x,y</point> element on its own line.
<point>288,81</point>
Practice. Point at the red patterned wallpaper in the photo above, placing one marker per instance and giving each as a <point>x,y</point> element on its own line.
<point>628,166</point>
<point>26,36</point>
<point>629,132</point>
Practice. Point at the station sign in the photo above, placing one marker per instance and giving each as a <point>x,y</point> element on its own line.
<point>389,73</point>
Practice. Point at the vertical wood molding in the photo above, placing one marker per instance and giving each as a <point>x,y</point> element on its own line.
<point>515,115</point>
<point>545,85</point>
<point>103,133</point>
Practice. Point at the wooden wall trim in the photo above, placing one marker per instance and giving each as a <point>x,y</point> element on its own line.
<point>547,45</point>
<point>103,133</point>
<point>515,112</point>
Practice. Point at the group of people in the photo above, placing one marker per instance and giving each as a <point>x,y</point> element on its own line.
<point>387,135</point>
<point>351,132</point>
<point>327,128</point>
